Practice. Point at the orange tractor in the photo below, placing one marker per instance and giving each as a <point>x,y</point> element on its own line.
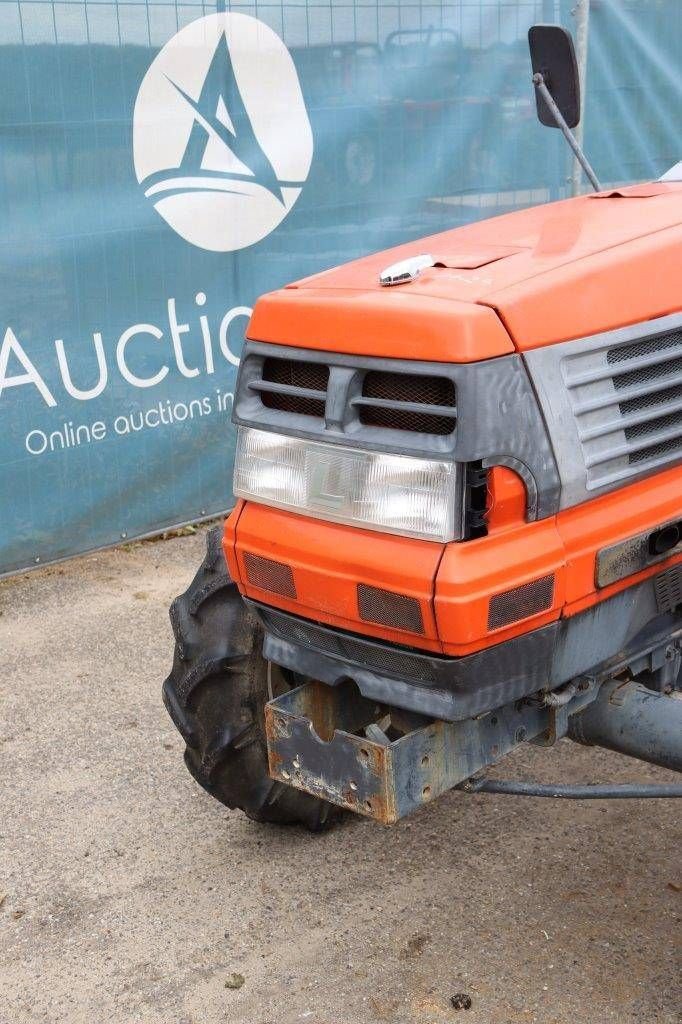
<point>458,524</point>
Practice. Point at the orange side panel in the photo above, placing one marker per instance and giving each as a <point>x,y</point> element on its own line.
<point>627,284</point>
<point>588,528</point>
<point>328,561</point>
<point>230,540</point>
<point>506,505</point>
<point>471,573</point>
<point>511,555</point>
<point>390,322</point>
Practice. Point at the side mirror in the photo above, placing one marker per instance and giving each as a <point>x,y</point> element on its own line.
<point>552,56</point>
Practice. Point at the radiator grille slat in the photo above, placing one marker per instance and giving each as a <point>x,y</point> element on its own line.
<point>292,385</point>
<point>400,401</point>
<point>644,436</point>
<point>640,360</point>
<point>645,347</point>
<point>667,398</point>
<point>645,412</point>
<point>642,391</point>
<point>418,402</point>
<point>627,403</point>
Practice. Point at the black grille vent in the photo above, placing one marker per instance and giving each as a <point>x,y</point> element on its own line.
<point>384,658</point>
<point>267,574</point>
<point>641,431</point>
<point>669,589</point>
<point>521,602</point>
<point>400,401</point>
<point>408,406</point>
<point>397,611</point>
<point>646,347</point>
<point>656,451</point>
<point>292,385</point>
<point>646,375</point>
<point>662,398</point>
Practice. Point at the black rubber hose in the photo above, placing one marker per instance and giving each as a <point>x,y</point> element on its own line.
<point>616,791</point>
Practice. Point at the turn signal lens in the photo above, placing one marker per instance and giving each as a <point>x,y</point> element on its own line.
<point>378,491</point>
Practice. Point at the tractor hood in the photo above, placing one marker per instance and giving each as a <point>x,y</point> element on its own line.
<point>519,281</point>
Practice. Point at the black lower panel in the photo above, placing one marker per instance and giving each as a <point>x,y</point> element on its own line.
<point>458,688</point>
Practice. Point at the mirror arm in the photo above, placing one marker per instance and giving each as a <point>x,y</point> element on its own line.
<point>540,85</point>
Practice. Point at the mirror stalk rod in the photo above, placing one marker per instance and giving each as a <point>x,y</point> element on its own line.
<point>539,83</point>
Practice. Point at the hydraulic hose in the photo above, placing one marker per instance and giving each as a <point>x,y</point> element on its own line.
<point>616,791</point>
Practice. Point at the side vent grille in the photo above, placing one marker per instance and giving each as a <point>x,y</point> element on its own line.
<point>401,401</point>
<point>293,385</point>
<point>267,574</point>
<point>627,401</point>
<point>669,589</point>
<point>388,609</point>
<point>521,602</point>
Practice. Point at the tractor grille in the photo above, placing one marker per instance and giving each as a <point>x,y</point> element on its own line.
<point>669,589</point>
<point>383,658</point>
<point>292,385</point>
<point>267,574</point>
<point>627,401</point>
<point>339,394</point>
<point>521,602</point>
<point>397,611</point>
<point>399,401</point>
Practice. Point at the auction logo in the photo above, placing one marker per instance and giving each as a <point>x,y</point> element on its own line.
<point>221,138</point>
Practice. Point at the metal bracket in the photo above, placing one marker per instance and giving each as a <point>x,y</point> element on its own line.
<point>381,762</point>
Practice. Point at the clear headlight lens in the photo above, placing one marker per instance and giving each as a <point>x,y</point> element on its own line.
<point>393,493</point>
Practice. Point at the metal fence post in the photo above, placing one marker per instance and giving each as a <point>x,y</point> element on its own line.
<point>581,13</point>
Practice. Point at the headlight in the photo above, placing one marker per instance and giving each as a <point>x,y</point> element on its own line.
<point>393,493</point>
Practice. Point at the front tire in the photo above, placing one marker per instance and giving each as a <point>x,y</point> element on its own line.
<point>216,694</point>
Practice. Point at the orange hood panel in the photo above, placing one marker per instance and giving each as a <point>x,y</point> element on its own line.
<point>525,279</point>
<point>394,323</point>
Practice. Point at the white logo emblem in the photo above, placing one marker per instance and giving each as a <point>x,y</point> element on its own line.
<point>221,137</point>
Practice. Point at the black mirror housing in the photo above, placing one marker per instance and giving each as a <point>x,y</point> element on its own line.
<point>553,56</point>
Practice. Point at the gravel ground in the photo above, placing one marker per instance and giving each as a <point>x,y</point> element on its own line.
<point>128,895</point>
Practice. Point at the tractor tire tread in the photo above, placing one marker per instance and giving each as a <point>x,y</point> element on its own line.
<point>215,695</point>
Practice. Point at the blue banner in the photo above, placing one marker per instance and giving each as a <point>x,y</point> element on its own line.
<point>163,164</point>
